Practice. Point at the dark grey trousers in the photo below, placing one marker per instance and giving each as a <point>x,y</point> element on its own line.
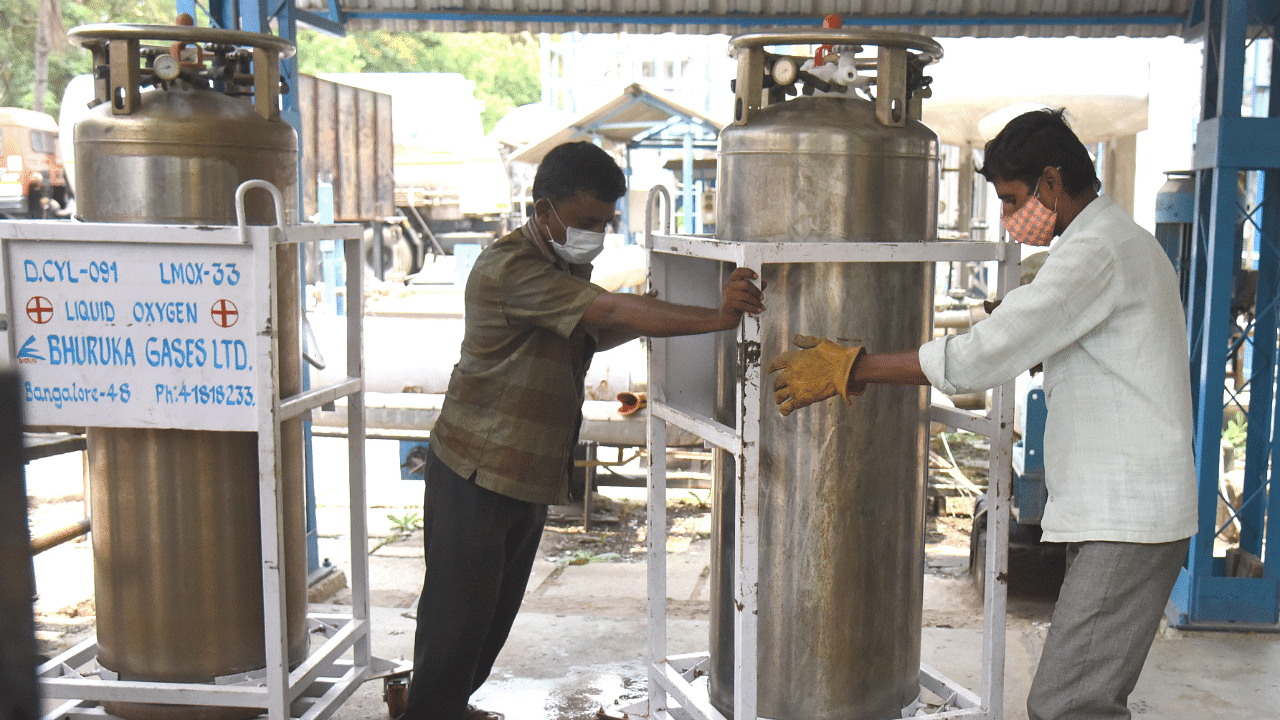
<point>1108,611</point>
<point>480,547</point>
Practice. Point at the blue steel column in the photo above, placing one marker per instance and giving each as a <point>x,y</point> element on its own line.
<point>1254,510</point>
<point>292,113</point>
<point>253,17</point>
<point>286,13</point>
<point>1212,294</point>
<point>686,177</point>
<point>1227,144</point>
<point>1270,243</point>
<point>627,237</point>
<point>1198,280</point>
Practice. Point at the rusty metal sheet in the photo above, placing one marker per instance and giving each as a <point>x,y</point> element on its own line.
<point>346,140</point>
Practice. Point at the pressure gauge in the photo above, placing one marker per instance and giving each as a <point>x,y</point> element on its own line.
<point>784,71</point>
<point>166,67</point>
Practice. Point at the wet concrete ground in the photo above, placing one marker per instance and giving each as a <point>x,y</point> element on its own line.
<point>579,642</point>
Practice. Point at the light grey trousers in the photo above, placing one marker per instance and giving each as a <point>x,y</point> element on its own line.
<point>1108,610</point>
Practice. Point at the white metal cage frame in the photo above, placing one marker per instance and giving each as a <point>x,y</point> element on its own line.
<point>674,687</point>
<point>326,677</point>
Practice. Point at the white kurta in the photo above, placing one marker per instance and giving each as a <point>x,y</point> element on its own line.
<point>1105,317</point>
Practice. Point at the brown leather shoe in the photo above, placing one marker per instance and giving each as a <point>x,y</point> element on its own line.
<point>475,713</point>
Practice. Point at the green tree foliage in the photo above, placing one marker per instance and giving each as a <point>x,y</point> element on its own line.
<point>503,67</point>
<point>18,36</point>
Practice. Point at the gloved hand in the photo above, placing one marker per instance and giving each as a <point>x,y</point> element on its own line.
<point>818,371</point>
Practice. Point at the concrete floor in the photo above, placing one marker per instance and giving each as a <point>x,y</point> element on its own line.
<point>578,644</point>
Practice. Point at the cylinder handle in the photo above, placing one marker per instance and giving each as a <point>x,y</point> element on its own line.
<point>927,47</point>
<point>245,187</point>
<point>92,35</point>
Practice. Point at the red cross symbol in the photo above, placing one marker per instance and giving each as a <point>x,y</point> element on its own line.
<point>40,310</point>
<point>224,313</point>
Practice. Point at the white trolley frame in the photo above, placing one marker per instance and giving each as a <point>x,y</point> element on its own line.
<point>672,678</point>
<point>317,686</point>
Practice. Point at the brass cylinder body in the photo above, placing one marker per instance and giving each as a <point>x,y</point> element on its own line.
<point>176,530</point>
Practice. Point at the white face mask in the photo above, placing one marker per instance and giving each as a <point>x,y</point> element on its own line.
<point>580,246</point>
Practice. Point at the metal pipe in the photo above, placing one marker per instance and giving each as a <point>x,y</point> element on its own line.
<point>965,319</point>
<point>52,540</point>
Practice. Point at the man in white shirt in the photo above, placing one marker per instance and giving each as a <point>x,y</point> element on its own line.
<point>1105,318</point>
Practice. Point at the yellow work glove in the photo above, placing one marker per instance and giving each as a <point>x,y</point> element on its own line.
<point>818,371</point>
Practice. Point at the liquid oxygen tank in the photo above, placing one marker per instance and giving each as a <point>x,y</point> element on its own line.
<point>842,512</point>
<point>176,531</point>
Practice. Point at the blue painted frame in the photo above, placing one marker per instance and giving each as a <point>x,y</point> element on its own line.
<point>255,17</point>
<point>1226,145</point>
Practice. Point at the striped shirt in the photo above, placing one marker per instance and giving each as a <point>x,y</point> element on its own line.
<point>514,405</point>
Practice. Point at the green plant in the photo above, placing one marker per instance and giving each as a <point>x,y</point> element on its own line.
<point>700,501</point>
<point>1236,432</point>
<point>582,557</point>
<point>406,523</point>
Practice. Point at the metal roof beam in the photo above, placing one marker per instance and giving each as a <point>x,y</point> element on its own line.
<point>673,145</point>
<point>324,24</point>
<point>656,128</point>
<point>674,122</point>
<point>661,106</point>
<point>633,125</point>
<point>927,20</point>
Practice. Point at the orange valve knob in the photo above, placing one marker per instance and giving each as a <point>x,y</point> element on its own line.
<point>185,20</point>
<point>832,22</point>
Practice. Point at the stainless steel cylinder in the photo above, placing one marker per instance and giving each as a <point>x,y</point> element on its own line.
<point>176,531</point>
<point>841,487</point>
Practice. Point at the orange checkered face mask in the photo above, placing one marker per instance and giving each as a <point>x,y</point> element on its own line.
<point>1033,223</point>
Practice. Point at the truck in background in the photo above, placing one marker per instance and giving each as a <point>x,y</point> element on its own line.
<point>404,153</point>
<point>344,145</point>
<point>450,182</point>
<point>33,180</point>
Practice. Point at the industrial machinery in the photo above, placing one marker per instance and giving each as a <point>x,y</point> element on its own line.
<point>1175,210</point>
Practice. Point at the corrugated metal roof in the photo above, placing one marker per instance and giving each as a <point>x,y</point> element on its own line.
<point>632,119</point>
<point>936,18</point>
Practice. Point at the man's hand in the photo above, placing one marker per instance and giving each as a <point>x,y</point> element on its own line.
<point>818,371</point>
<point>741,296</point>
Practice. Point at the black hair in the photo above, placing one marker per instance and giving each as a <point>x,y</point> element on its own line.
<point>1034,141</point>
<point>577,167</point>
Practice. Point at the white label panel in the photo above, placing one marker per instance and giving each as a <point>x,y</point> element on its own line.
<point>133,335</point>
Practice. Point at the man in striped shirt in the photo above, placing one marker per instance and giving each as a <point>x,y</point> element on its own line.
<point>502,448</point>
